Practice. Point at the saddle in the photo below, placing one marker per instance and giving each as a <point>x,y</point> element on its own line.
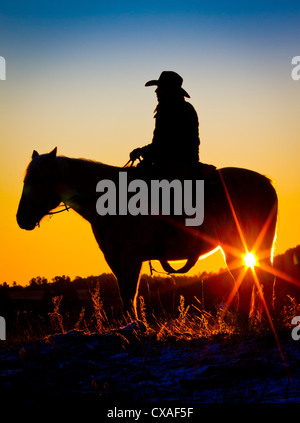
<point>198,170</point>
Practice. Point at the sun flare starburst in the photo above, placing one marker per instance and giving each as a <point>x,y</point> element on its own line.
<point>250,260</point>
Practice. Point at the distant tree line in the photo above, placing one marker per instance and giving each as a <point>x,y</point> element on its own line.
<point>162,292</point>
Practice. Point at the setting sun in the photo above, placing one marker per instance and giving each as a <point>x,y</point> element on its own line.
<point>250,260</point>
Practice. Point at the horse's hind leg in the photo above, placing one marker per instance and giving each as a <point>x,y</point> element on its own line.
<point>265,277</point>
<point>261,277</point>
<point>244,283</point>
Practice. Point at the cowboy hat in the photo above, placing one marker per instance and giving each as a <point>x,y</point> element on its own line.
<point>170,80</point>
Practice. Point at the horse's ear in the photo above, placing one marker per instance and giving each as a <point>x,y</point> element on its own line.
<point>53,153</point>
<point>34,154</point>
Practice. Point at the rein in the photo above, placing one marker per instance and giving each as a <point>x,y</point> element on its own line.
<point>67,208</point>
<point>129,163</point>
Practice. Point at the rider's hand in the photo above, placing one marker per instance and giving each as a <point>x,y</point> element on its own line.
<point>135,154</point>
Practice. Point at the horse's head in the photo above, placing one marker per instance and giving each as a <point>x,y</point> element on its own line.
<point>38,196</point>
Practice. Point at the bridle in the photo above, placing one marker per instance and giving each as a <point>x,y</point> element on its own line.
<point>66,208</point>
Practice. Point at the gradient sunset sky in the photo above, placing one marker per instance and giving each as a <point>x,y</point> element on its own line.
<point>75,79</point>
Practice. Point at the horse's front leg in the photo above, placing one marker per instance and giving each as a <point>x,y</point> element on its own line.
<point>127,269</point>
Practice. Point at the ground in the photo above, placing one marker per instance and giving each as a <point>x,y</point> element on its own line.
<point>130,365</point>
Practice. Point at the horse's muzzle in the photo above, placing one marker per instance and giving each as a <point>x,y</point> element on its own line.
<point>24,223</point>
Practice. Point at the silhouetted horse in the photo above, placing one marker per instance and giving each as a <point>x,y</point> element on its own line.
<point>240,216</point>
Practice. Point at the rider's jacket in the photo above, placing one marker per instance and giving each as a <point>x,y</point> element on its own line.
<point>176,134</point>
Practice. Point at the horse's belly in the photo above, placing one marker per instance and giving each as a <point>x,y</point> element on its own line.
<point>180,244</point>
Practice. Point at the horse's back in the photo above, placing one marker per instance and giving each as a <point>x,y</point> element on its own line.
<point>247,184</point>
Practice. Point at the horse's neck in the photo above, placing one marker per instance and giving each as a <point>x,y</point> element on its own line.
<point>79,177</point>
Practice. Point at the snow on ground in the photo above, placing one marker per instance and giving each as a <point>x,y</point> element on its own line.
<point>140,369</point>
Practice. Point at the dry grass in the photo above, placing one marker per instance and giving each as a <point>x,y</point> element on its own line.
<point>189,322</point>
<point>56,318</point>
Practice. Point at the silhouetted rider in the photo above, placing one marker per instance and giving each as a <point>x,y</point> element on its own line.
<point>176,133</point>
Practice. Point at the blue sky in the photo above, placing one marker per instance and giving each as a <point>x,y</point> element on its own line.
<point>39,29</point>
<point>73,9</point>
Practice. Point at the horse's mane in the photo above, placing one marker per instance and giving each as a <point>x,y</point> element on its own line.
<point>66,167</point>
<point>84,167</point>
